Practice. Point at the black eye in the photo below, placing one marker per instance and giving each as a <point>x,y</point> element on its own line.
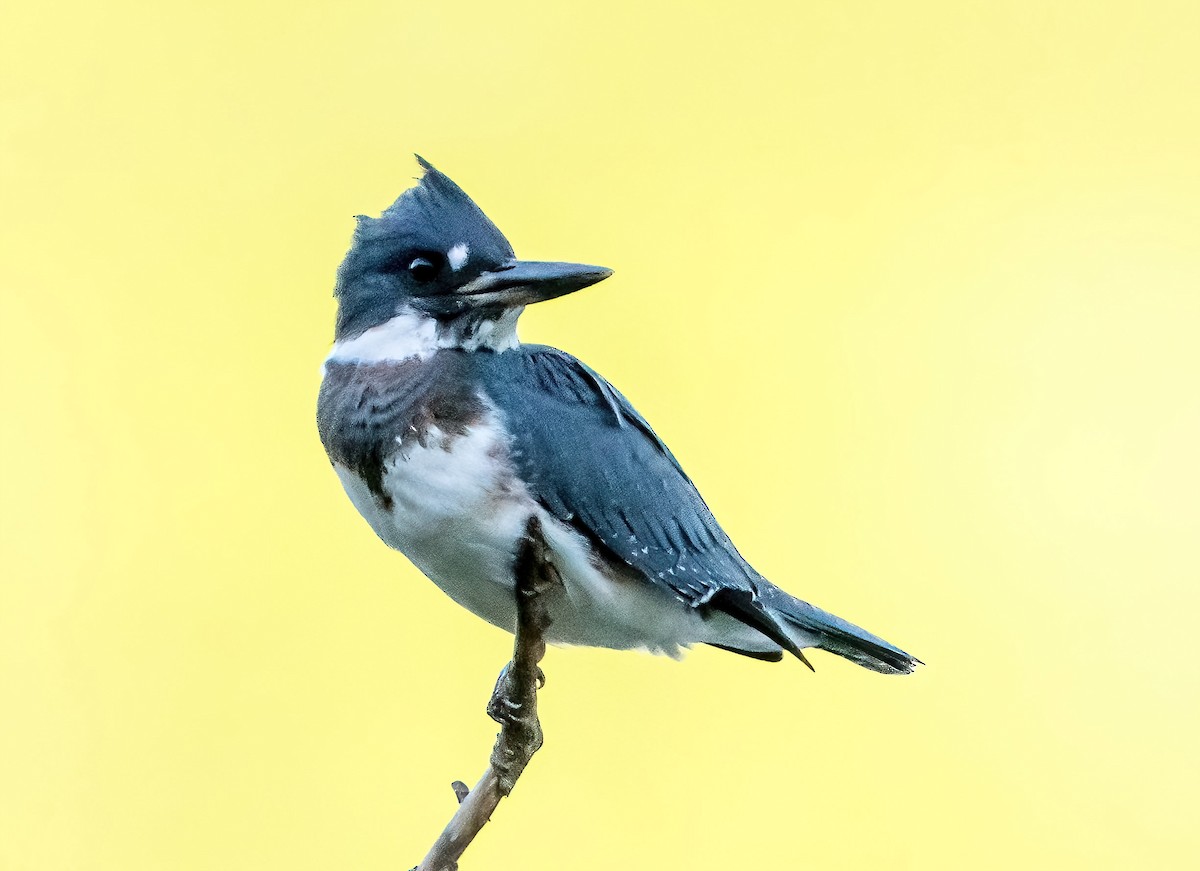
<point>425,267</point>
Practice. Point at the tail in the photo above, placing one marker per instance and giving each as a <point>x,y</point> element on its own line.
<point>808,626</point>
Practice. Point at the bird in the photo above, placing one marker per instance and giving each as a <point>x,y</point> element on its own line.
<point>449,435</point>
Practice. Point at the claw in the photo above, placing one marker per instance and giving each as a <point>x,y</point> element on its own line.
<point>502,679</point>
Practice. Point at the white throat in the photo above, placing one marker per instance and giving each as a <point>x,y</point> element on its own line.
<point>412,334</point>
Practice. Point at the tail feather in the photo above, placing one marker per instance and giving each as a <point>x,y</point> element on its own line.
<point>829,632</point>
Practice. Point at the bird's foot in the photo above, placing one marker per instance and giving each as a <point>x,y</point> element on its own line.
<point>497,705</point>
<point>514,706</point>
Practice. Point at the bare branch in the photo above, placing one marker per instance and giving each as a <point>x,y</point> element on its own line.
<point>513,705</point>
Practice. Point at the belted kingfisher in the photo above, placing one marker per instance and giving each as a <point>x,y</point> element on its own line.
<point>449,434</point>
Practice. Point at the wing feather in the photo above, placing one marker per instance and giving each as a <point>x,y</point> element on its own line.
<point>592,461</point>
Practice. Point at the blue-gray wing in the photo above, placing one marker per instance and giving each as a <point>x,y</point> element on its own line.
<point>593,462</point>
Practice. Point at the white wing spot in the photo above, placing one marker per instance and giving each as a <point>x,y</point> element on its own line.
<point>457,255</point>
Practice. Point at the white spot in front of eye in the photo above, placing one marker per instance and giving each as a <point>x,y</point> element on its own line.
<point>457,256</point>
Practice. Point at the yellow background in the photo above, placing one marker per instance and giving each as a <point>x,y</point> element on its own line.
<point>913,291</point>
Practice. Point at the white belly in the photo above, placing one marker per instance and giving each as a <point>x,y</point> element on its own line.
<point>458,512</point>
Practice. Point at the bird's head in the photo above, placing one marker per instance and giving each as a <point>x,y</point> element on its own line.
<point>434,252</point>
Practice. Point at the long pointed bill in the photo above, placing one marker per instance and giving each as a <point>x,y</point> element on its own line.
<point>524,282</point>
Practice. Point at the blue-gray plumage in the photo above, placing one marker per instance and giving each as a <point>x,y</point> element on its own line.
<point>448,434</point>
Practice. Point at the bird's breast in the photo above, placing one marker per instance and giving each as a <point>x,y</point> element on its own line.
<point>369,411</point>
<point>425,459</point>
